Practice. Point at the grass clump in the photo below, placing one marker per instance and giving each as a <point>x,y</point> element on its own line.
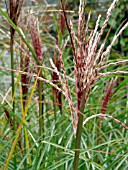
<point>64,118</point>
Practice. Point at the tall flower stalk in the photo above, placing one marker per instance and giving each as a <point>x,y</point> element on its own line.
<point>57,96</point>
<point>15,9</point>
<point>36,41</point>
<point>88,63</point>
<point>24,65</point>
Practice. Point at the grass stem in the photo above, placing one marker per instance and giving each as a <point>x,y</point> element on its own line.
<point>41,110</point>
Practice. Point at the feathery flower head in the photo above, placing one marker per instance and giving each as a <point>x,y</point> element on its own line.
<point>36,40</point>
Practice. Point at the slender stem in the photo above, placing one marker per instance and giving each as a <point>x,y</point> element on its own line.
<point>54,105</point>
<point>24,152</point>
<point>41,121</point>
<point>12,31</point>
<point>79,131</point>
<point>13,85</point>
<point>78,141</point>
<point>69,29</point>
<point>41,110</point>
<point>12,73</point>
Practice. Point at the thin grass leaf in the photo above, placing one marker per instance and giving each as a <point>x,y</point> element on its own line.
<point>20,126</point>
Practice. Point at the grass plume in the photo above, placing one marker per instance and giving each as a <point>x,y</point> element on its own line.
<point>37,44</point>
<point>87,63</point>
